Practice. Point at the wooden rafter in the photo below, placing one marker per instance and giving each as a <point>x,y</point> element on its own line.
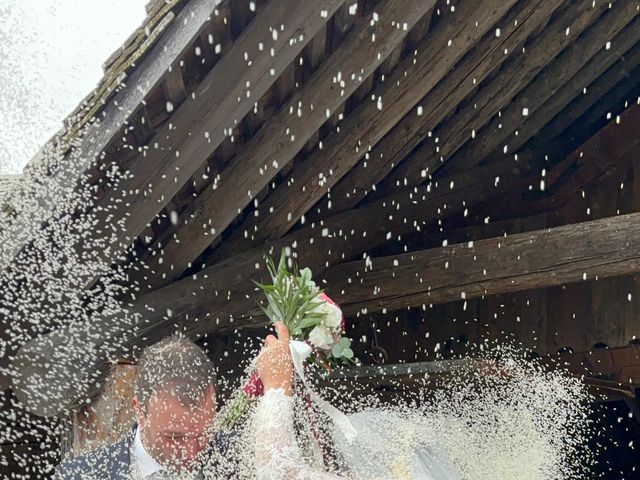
<point>226,95</point>
<point>365,126</point>
<point>614,85</point>
<point>615,145</point>
<point>285,134</point>
<point>574,69</point>
<point>493,96</point>
<point>485,58</point>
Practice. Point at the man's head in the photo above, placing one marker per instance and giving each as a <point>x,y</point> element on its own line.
<point>175,401</point>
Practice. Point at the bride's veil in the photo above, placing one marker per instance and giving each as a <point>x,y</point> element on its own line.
<point>391,447</point>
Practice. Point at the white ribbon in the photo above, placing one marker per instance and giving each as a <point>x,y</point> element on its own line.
<point>300,351</point>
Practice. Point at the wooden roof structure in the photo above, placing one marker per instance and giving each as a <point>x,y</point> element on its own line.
<point>357,135</point>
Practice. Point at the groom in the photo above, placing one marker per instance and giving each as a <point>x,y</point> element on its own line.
<point>175,404</point>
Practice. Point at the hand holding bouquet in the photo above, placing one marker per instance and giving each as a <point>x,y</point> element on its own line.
<point>314,323</point>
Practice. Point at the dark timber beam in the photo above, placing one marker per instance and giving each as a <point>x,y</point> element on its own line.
<point>487,56</point>
<point>227,94</point>
<point>574,70</point>
<point>196,127</point>
<point>475,112</point>
<point>278,141</point>
<point>414,77</point>
<point>540,259</point>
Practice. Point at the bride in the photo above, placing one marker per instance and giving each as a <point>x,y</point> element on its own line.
<point>383,448</point>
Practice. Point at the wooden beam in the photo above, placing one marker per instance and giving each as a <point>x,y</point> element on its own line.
<point>280,139</point>
<point>611,148</point>
<point>181,145</point>
<point>616,63</point>
<point>493,96</point>
<point>545,258</point>
<point>220,296</point>
<point>615,145</point>
<point>609,89</point>
<point>366,125</point>
<point>485,58</point>
<point>593,366</point>
<point>572,71</point>
<point>210,299</point>
<point>194,132</point>
<point>172,44</point>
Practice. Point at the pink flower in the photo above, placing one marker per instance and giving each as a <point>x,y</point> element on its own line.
<point>254,387</point>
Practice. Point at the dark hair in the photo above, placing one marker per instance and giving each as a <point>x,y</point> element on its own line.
<point>178,366</point>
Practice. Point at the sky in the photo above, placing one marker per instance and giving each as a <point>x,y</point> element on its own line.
<point>51,55</point>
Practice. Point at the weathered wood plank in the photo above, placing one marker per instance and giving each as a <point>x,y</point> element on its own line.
<point>485,58</point>
<point>616,144</point>
<point>194,133</point>
<point>219,296</point>
<point>568,254</point>
<point>615,83</point>
<point>146,77</point>
<point>173,86</point>
<point>521,68</point>
<point>284,135</point>
<point>366,125</point>
<point>225,288</point>
<point>572,71</point>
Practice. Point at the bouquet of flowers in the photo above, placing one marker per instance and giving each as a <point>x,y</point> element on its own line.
<point>314,322</point>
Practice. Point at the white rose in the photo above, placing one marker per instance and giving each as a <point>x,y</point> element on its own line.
<point>321,337</point>
<point>322,308</point>
<point>333,317</point>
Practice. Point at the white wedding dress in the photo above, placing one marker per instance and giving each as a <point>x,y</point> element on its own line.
<point>384,448</point>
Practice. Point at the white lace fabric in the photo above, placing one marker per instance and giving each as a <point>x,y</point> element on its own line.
<point>277,454</point>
